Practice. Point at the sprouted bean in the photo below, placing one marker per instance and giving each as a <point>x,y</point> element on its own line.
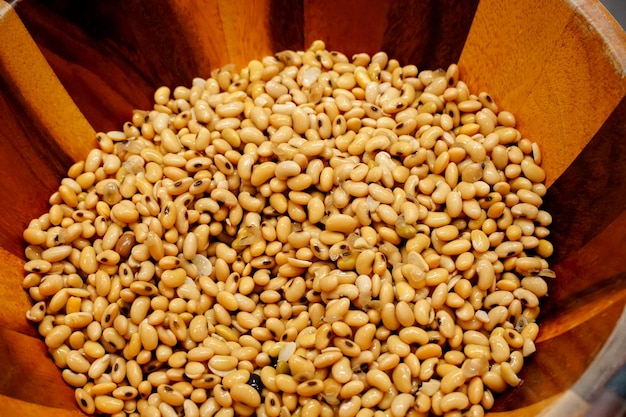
<point>311,235</point>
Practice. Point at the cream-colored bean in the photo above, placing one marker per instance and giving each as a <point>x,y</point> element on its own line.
<point>454,401</point>
<point>500,349</point>
<point>77,362</point>
<point>57,336</point>
<point>378,379</point>
<point>528,298</point>
<point>108,404</point>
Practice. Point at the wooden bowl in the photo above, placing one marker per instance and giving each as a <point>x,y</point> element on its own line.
<point>559,65</point>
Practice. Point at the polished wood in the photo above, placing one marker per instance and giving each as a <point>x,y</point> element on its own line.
<point>68,69</point>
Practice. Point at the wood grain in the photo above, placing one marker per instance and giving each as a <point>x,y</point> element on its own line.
<point>28,74</point>
<point>559,66</point>
<point>13,298</point>
<point>597,174</point>
<point>549,77</point>
<point>43,166</point>
<point>14,407</point>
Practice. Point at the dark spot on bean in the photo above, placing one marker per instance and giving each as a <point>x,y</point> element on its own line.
<point>107,318</point>
<point>349,344</point>
<point>116,367</point>
<point>197,183</point>
<point>178,183</point>
<point>197,165</point>
<point>255,382</point>
<point>399,105</point>
<point>488,98</point>
<point>311,383</point>
<point>167,388</point>
<point>83,402</point>
<point>152,367</point>
<point>434,338</point>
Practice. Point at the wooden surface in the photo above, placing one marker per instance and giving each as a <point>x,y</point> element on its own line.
<point>560,67</point>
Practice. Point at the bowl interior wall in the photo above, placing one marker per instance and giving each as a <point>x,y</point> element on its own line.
<point>558,66</point>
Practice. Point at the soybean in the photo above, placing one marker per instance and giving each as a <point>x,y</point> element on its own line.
<point>309,235</point>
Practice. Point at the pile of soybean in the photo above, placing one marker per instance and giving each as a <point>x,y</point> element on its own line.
<point>312,235</point>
